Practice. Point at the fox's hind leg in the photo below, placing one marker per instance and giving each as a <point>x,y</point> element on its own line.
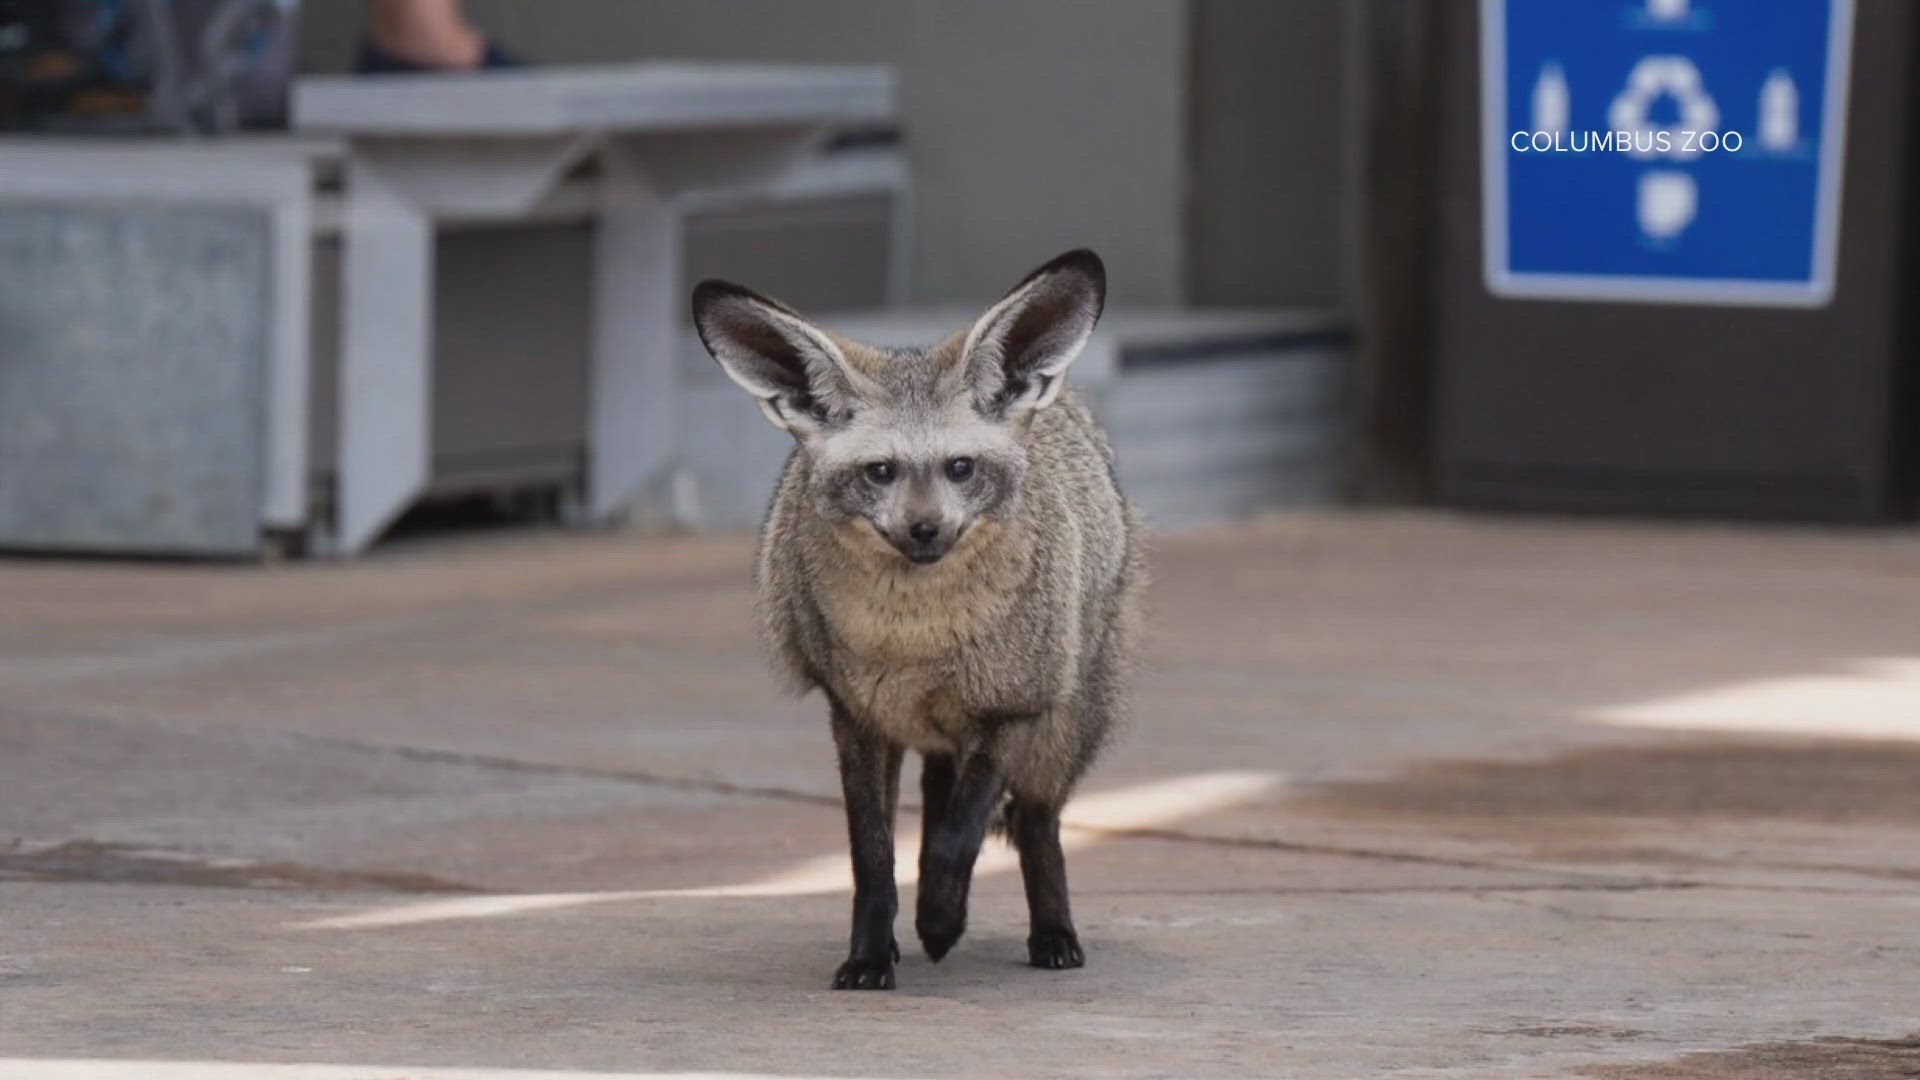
<point>974,787</point>
<point>869,779</point>
<point>1035,831</point>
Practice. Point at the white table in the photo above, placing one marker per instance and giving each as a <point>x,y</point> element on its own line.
<point>422,150</point>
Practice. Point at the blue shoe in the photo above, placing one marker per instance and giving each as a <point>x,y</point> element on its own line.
<point>499,56</point>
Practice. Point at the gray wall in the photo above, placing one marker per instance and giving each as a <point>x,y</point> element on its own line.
<point>1033,125</point>
<point>1264,194</point>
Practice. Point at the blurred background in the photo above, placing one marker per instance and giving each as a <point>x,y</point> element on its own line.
<point>1535,556</point>
<point>1335,277</point>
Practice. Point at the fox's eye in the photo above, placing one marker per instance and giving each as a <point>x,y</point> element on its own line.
<point>959,468</point>
<point>880,472</point>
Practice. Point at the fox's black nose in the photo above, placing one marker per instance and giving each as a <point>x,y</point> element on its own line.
<point>922,542</point>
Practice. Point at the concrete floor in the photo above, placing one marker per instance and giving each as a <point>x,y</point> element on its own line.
<point>1408,795</point>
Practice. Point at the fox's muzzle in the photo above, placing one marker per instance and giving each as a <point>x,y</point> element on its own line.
<point>922,542</point>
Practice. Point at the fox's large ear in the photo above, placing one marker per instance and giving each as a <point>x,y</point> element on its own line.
<point>1016,355</point>
<point>796,372</point>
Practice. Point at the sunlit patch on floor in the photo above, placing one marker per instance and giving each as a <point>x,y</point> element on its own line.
<point>1087,820</point>
<point>1872,699</point>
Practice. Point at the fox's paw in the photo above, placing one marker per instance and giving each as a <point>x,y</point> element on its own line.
<point>864,975</point>
<point>1055,950</point>
<point>939,927</point>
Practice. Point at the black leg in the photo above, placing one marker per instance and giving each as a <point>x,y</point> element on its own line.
<point>1051,942</point>
<point>949,851</point>
<point>869,780</point>
<point>936,791</point>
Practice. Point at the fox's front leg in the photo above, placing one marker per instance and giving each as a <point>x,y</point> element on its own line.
<point>869,781</point>
<point>949,848</point>
<point>1035,828</point>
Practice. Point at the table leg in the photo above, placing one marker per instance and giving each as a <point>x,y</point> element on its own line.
<point>285,501</point>
<point>638,306</point>
<point>385,356</point>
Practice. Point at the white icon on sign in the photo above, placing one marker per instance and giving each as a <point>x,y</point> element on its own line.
<point>1668,202</point>
<point>1666,10</point>
<point>1779,112</point>
<point>1652,78</point>
<point>1552,101</point>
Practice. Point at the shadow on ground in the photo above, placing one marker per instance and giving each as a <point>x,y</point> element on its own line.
<point>1815,1059</point>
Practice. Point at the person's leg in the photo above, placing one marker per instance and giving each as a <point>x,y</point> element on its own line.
<point>426,33</point>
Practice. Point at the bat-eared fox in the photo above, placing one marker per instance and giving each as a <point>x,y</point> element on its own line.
<point>948,559</point>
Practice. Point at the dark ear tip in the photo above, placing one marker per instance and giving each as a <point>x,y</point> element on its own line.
<point>1081,260</point>
<point>714,289</point>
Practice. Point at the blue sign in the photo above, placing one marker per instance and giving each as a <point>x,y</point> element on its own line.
<point>1685,151</point>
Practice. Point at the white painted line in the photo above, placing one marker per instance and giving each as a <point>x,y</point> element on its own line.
<point>1875,699</point>
<point>1086,820</point>
<point>107,1069</point>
